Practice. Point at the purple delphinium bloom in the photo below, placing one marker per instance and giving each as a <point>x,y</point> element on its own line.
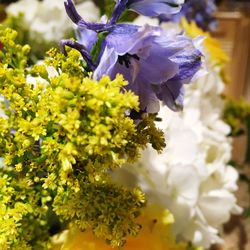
<point>200,11</point>
<point>155,7</point>
<point>150,8</point>
<point>155,64</point>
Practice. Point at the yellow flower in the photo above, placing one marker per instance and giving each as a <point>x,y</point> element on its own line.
<point>212,46</point>
<point>155,235</point>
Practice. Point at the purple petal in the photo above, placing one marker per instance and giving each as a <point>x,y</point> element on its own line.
<point>172,95</point>
<point>86,37</point>
<point>71,11</point>
<point>155,7</point>
<point>147,97</point>
<point>107,62</point>
<point>189,61</point>
<point>157,68</point>
<point>161,66</point>
<point>130,38</point>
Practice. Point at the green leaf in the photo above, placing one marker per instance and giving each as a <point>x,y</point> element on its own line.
<point>247,213</point>
<point>97,46</point>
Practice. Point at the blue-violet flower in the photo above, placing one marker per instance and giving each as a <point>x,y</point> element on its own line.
<point>155,7</point>
<point>155,64</point>
<point>200,11</point>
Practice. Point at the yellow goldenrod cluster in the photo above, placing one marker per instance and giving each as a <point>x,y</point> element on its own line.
<point>22,213</point>
<point>24,36</point>
<point>60,138</point>
<point>12,54</point>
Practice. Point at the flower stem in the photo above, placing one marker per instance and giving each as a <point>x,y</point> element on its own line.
<point>120,7</point>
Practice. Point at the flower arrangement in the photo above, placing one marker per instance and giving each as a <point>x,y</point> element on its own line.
<point>99,147</point>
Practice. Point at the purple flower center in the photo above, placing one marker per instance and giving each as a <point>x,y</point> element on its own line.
<point>126,59</point>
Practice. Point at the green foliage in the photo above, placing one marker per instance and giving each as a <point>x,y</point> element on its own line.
<point>191,247</point>
<point>235,114</point>
<point>247,157</point>
<point>247,213</point>
<point>106,7</point>
<point>95,51</point>
<point>246,179</point>
<point>60,138</point>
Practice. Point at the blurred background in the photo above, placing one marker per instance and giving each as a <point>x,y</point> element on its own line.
<point>234,34</point>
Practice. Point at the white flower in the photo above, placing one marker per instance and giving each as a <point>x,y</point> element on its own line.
<point>34,80</point>
<point>170,27</point>
<point>47,20</point>
<point>28,7</point>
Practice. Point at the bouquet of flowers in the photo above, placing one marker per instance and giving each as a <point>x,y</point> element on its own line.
<point>99,149</point>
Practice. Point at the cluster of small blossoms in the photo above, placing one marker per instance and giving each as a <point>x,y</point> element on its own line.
<point>20,201</point>
<point>61,134</point>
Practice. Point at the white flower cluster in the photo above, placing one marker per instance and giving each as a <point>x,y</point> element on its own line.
<point>191,177</point>
<point>47,20</point>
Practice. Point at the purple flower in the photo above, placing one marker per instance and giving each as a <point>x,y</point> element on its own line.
<point>155,7</point>
<point>146,7</point>
<point>155,64</point>
<point>200,11</point>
